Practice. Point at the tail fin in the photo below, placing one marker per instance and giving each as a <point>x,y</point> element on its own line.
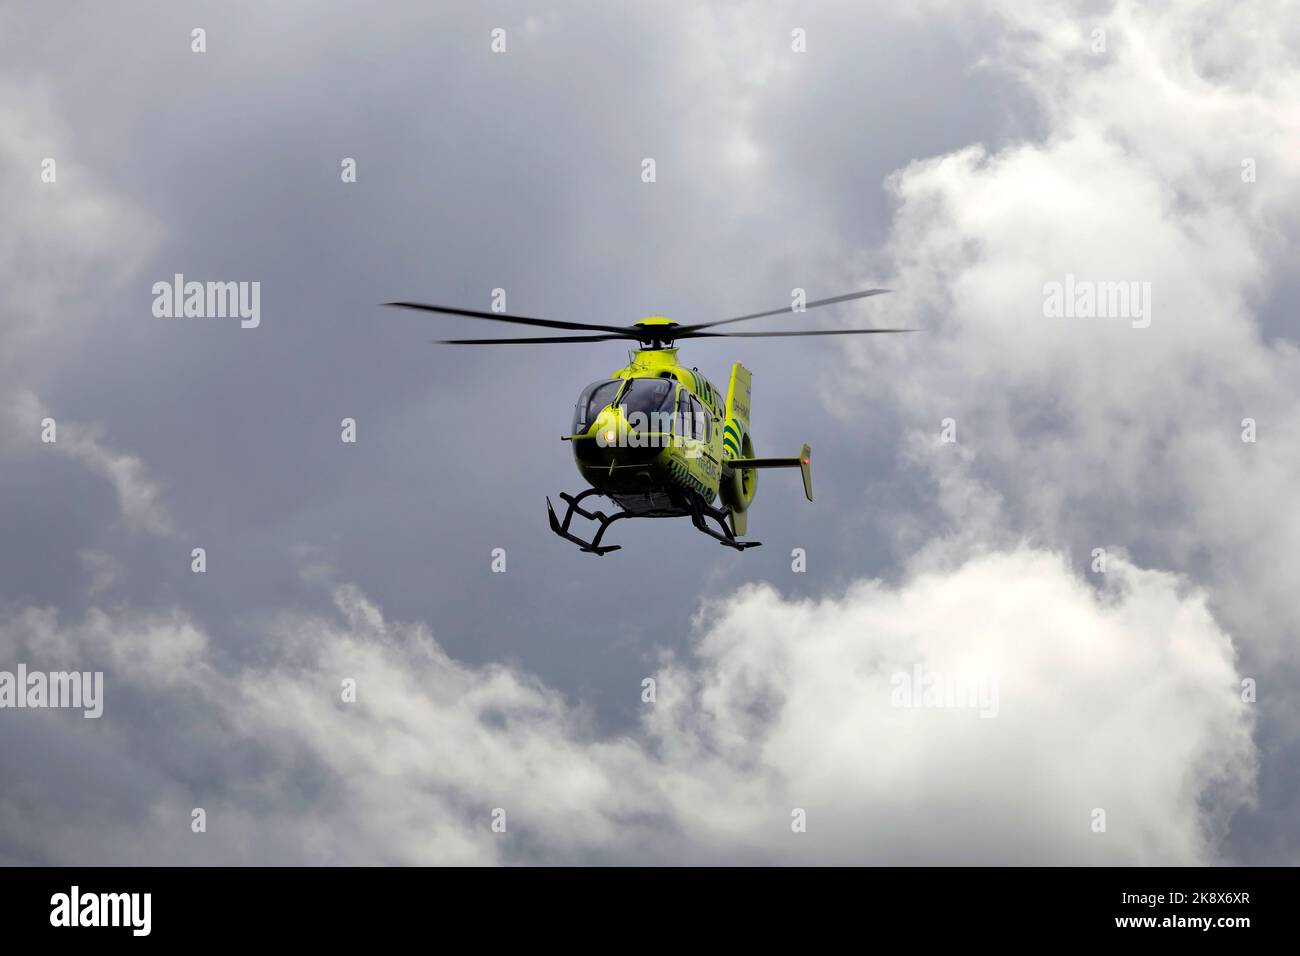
<point>737,444</point>
<point>736,426</point>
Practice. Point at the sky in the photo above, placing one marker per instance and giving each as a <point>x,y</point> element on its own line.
<point>1061,514</point>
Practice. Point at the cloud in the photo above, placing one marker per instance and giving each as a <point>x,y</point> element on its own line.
<point>139,495</point>
<point>103,570</point>
<point>1124,699</point>
<point>1091,432</point>
<point>67,241</point>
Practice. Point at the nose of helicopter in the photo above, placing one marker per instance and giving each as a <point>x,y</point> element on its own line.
<point>614,441</point>
<point>612,428</point>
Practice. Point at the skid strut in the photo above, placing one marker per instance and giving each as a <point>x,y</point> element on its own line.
<point>562,528</point>
<point>696,507</point>
<point>700,511</point>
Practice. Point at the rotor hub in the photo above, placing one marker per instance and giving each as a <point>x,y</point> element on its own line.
<point>656,331</point>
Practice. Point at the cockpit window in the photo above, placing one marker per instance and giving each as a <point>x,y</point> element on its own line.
<point>593,398</point>
<point>647,396</point>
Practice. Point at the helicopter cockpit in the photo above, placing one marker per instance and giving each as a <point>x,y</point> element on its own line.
<point>646,396</point>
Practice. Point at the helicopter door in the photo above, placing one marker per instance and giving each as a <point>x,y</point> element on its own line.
<point>691,426</point>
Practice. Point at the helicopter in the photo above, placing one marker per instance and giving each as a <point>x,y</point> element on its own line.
<point>658,438</point>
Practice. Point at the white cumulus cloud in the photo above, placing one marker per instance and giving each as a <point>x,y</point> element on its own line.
<point>1123,699</point>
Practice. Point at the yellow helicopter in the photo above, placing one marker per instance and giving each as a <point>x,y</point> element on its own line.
<point>658,438</point>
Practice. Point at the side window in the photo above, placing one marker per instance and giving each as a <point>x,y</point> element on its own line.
<point>707,420</point>
<point>700,429</point>
<point>694,425</point>
<point>692,417</point>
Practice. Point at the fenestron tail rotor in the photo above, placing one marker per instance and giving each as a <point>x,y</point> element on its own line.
<point>657,332</point>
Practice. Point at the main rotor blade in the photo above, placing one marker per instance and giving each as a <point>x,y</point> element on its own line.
<point>540,340</point>
<point>621,332</point>
<point>808,305</point>
<point>764,335</point>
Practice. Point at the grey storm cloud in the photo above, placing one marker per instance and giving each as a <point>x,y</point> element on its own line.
<point>962,154</point>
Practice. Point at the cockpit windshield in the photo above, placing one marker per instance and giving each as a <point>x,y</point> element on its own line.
<point>647,396</point>
<point>593,398</point>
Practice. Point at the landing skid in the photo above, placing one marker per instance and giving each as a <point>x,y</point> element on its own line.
<point>695,506</point>
<point>700,511</point>
<point>562,527</point>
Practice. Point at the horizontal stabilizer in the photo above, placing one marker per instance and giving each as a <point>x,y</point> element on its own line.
<point>803,463</point>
